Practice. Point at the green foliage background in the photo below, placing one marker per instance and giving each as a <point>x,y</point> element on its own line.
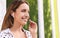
<point>34,15</point>
<point>47,19</point>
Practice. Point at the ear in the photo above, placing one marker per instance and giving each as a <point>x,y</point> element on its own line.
<point>12,14</point>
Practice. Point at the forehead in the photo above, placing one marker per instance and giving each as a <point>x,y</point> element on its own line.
<point>23,6</point>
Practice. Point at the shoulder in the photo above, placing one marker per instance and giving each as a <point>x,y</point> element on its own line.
<point>5,34</point>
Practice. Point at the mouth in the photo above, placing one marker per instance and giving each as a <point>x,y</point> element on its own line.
<point>24,19</point>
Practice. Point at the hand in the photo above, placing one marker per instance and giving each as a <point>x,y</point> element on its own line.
<point>32,27</point>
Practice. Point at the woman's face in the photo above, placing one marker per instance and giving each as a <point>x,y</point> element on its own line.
<point>21,15</point>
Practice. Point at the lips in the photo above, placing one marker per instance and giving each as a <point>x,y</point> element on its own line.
<point>25,19</point>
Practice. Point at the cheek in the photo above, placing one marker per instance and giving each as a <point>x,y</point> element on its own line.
<point>19,16</point>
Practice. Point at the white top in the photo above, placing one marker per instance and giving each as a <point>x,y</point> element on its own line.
<point>8,34</point>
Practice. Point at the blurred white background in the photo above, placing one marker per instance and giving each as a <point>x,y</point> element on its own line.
<point>2,11</point>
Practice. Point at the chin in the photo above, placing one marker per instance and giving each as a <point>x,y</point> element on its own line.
<point>24,23</point>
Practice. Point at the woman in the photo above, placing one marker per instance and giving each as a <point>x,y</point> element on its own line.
<point>16,17</point>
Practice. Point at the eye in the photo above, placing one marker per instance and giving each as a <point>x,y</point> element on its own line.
<point>23,10</point>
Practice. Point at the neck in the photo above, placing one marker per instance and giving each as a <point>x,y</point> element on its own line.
<point>17,27</point>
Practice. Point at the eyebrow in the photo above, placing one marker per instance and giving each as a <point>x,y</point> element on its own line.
<point>25,9</point>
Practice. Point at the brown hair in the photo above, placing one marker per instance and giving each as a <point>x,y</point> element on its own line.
<point>8,19</point>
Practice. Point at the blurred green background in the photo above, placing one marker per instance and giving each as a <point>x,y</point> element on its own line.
<point>34,15</point>
<point>47,19</point>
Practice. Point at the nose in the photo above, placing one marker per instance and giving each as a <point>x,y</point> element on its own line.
<point>27,15</point>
